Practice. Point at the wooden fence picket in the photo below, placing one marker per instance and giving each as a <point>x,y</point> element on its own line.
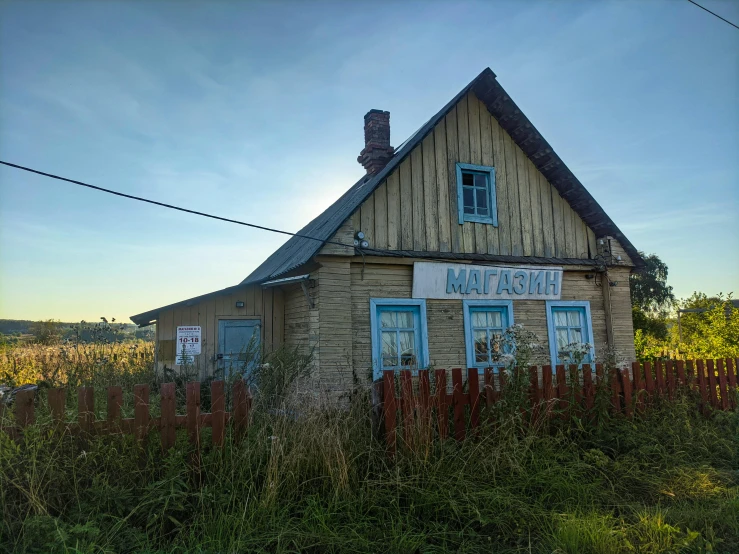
<point>562,387</point>
<point>473,383</point>
<point>192,407</point>
<point>407,405</point>
<point>588,387</point>
<point>389,409</point>
<point>615,390</point>
<point>115,404</point>
<point>681,378</point>
<point>218,412</point>
<point>458,404</point>
<point>442,406</point>
<point>659,375</point>
<point>24,408</point>
<point>168,412</point>
<point>648,380</point>
<point>722,384</point>
<point>670,373</point>
<point>700,371</point>
<point>713,394</point>
<point>534,392</point>
<point>424,405</point>
<point>638,388</point>
<point>626,388</point>
<point>489,388</point>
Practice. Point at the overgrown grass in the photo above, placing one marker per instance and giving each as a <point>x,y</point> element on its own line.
<point>666,482</point>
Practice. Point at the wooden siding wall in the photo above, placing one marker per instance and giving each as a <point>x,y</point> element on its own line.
<point>445,317</point>
<point>336,343</point>
<point>623,324</point>
<point>265,304</point>
<point>415,208</point>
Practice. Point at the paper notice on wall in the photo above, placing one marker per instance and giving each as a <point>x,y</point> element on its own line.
<point>187,344</point>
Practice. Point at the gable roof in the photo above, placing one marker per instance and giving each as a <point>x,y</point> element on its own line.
<point>298,250</point>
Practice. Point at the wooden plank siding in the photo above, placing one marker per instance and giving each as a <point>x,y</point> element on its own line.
<point>415,208</point>
<point>265,304</point>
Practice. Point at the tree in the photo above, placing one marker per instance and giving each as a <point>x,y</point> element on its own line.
<point>649,289</point>
<point>651,297</point>
<point>46,332</point>
<point>712,332</point>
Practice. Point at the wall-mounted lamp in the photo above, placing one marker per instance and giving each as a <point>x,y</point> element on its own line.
<point>239,304</point>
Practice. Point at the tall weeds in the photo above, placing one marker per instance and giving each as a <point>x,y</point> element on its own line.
<point>309,478</point>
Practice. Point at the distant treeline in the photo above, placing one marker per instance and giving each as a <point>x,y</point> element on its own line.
<point>51,331</point>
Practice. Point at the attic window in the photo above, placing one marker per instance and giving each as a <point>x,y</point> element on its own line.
<point>476,194</point>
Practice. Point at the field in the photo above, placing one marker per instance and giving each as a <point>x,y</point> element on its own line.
<point>667,481</point>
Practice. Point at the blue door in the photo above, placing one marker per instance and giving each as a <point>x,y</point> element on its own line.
<point>238,345</point>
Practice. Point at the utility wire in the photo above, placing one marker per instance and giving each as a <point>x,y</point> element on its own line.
<point>714,14</point>
<point>186,210</point>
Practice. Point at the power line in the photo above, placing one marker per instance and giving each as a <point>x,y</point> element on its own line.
<point>714,14</point>
<point>186,210</point>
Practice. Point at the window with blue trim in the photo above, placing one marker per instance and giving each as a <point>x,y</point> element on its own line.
<point>485,323</point>
<point>399,329</point>
<point>399,335</point>
<point>570,330</point>
<point>476,194</point>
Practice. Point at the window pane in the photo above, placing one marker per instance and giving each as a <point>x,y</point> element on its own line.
<point>479,319</point>
<point>482,198</point>
<point>495,319</point>
<point>576,335</point>
<point>573,318</point>
<point>405,320</point>
<point>562,339</point>
<point>467,179</point>
<point>468,199</point>
<point>387,319</point>
<point>407,343</point>
<point>481,180</point>
<point>389,347</point>
<point>481,346</point>
<point>389,362</point>
<point>560,318</point>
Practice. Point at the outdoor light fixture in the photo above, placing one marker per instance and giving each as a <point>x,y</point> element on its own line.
<point>239,304</point>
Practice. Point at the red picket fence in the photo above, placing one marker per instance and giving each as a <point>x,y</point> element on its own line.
<point>630,390</point>
<point>141,424</point>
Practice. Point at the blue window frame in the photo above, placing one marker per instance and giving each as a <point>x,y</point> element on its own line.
<point>483,320</point>
<point>399,334</point>
<point>476,194</point>
<point>569,322</point>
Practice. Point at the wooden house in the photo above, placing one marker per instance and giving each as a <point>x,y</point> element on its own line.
<point>472,224</point>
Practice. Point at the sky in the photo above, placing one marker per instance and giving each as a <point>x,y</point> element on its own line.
<point>254,111</point>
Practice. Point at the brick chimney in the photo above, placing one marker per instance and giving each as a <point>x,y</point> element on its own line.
<point>377,150</point>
